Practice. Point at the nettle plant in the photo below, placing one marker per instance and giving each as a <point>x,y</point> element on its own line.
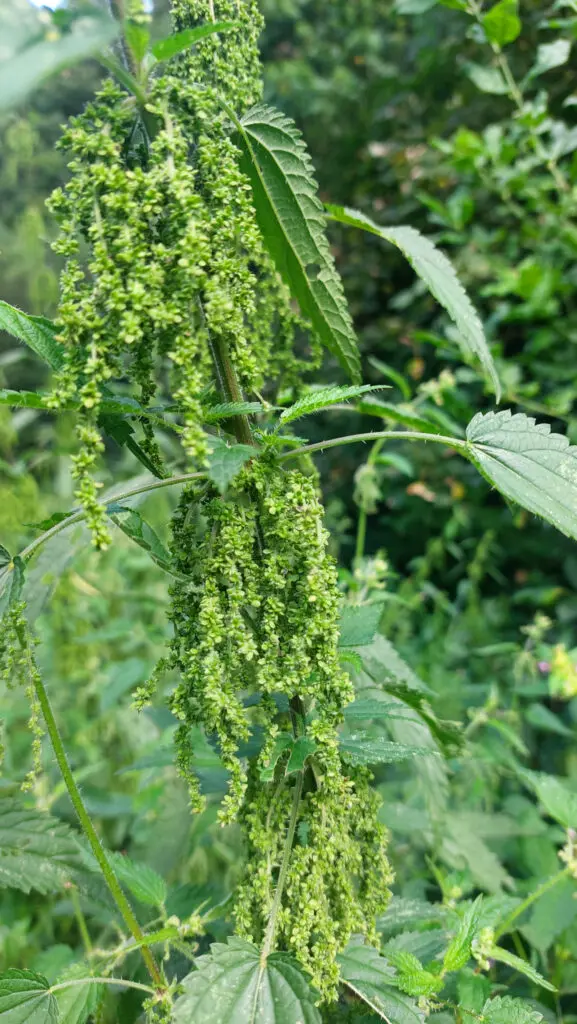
<point>198,293</point>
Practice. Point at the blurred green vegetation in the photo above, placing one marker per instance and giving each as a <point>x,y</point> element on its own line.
<point>409,117</point>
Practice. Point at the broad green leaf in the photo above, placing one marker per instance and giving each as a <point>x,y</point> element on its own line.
<point>549,56</point>
<point>31,65</point>
<point>426,945</point>
<point>505,1010</point>
<point>138,37</point>
<point>502,23</point>
<point>487,79</point>
<point>5,557</point>
<point>144,883</point>
<point>544,720</point>
<point>22,399</point>
<point>528,464</point>
<point>302,748</point>
<point>77,1003</point>
<point>322,398</point>
<point>473,990</point>
<point>232,985</point>
<point>403,912</point>
<point>370,977</point>
<point>25,998</point>
<point>359,749</point>
<point>166,48</point>
<point>459,950</point>
<point>359,624</point>
<point>503,956</point>
<point>226,461</point>
<point>551,915</point>
<point>462,845</point>
<point>449,735</point>
<point>292,222</point>
<point>435,270</point>
<point>384,664</point>
<point>35,331</point>
<point>134,526</point>
<point>37,851</point>
<point>370,708</point>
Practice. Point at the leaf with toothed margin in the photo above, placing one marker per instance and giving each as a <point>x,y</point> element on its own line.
<point>371,978</point>
<point>528,464</point>
<point>25,998</point>
<point>225,461</point>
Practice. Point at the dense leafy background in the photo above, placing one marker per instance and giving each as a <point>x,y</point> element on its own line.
<point>480,598</point>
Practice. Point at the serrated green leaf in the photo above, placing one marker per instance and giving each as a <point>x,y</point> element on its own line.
<point>224,410</point>
<point>23,399</point>
<point>233,985</point>
<point>143,881</point>
<point>293,223</point>
<point>134,526</point>
<point>359,749</point>
<point>35,331</point>
<point>166,48</point>
<point>226,461</point>
<point>426,945</point>
<point>403,912</point>
<point>503,956</point>
<point>77,1003</point>
<point>384,664</point>
<point>505,1010</point>
<point>322,398</point>
<point>282,742</point>
<point>502,23</point>
<point>5,557</point>
<point>552,914</point>
<point>412,977</point>
<point>370,708</point>
<point>53,520</point>
<point>372,979</point>
<point>483,864</point>
<point>37,60</point>
<point>37,851</point>
<point>359,624</point>
<point>302,748</point>
<point>25,998</point>
<point>459,950</point>
<point>435,270</point>
<point>528,464</point>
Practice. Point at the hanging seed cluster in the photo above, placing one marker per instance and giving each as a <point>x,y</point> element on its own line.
<point>255,614</point>
<point>164,259</point>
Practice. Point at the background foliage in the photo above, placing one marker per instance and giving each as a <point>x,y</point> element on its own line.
<point>412,117</point>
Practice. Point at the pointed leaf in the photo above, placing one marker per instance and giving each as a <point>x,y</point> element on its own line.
<point>372,979</point>
<point>459,949</point>
<point>359,624</point>
<point>35,331</point>
<point>359,750</point>
<point>370,708</point>
<point>232,985</point>
<point>77,1003</point>
<point>226,461</point>
<point>503,956</point>
<point>25,998</point>
<point>292,222</point>
<point>224,410</point>
<point>163,49</point>
<point>528,464</point>
<point>438,274</point>
<point>302,748</point>
<point>134,526</point>
<point>322,398</point>
<point>502,23</point>
<point>143,881</point>
<point>22,399</point>
<point>549,56</point>
<point>282,742</point>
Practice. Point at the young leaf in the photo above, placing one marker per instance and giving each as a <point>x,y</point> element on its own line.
<point>37,851</point>
<point>224,410</point>
<point>459,950</point>
<point>502,23</point>
<point>27,68</point>
<point>438,274</point>
<point>77,1003</point>
<point>166,48</point>
<point>505,1010</point>
<point>292,222</point>
<point>282,742</point>
<point>25,998</point>
<point>35,331</point>
<point>226,461</point>
<point>528,464</point>
<point>487,79</point>
<point>370,977</point>
<point>144,883</point>
<point>322,398</point>
<point>412,977</point>
<point>232,985</point>
<point>134,526</point>
<point>359,624</point>
<point>358,749</point>
<point>549,56</point>
<point>503,956</point>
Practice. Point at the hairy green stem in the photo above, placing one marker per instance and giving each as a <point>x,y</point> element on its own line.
<point>85,820</point>
<point>80,920</point>
<point>125,983</point>
<point>386,435</point>
<point>229,388</point>
<point>272,921</point>
<point>362,523</point>
<point>528,902</point>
